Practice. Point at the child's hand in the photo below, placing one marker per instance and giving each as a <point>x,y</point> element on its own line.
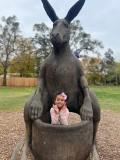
<point>56,109</point>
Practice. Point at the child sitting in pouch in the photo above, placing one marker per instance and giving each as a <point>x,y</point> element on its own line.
<point>59,111</point>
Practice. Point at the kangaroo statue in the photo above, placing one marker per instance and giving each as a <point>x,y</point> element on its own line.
<point>62,72</point>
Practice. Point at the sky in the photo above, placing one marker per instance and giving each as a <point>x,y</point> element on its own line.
<point>100,18</point>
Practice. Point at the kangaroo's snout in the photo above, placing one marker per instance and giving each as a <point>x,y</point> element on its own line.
<point>55,35</point>
<point>56,38</point>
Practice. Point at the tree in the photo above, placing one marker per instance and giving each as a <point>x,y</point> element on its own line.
<point>92,68</point>
<point>42,42</point>
<point>1,69</point>
<point>81,42</point>
<point>108,66</point>
<point>117,73</point>
<point>24,61</point>
<point>9,30</point>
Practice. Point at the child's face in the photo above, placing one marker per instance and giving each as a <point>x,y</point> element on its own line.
<point>59,101</point>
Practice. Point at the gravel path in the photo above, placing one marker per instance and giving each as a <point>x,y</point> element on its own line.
<point>108,137</point>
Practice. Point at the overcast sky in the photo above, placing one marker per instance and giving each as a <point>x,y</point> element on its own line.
<point>100,18</point>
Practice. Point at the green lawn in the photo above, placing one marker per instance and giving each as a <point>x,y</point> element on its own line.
<point>109,97</point>
<point>13,99</point>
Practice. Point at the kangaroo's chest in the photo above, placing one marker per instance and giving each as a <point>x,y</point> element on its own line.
<point>61,74</point>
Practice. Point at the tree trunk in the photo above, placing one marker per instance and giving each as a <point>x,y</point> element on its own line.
<point>116,79</point>
<point>4,77</point>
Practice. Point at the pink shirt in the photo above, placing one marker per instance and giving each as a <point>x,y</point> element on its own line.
<point>59,116</point>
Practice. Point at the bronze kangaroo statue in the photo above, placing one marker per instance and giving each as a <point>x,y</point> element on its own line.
<point>62,72</point>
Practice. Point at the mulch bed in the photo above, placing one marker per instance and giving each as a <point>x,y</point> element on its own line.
<point>108,138</point>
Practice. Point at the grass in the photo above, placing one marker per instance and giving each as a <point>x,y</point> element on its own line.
<point>109,97</point>
<point>13,99</point>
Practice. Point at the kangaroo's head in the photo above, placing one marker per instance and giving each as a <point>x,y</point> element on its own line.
<point>60,33</point>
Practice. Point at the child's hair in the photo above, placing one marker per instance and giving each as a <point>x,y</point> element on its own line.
<point>62,94</point>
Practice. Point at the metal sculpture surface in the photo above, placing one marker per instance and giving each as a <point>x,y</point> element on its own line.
<point>62,72</point>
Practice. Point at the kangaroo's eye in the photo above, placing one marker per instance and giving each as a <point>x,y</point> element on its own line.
<point>54,24</point>
<point>66,25</point>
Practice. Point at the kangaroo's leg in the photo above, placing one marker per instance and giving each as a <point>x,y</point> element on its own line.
<point>96,119</point>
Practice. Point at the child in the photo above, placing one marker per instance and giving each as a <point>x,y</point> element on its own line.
<point>59,111</point>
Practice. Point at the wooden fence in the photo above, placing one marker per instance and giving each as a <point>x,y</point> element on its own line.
<point>20,82</point>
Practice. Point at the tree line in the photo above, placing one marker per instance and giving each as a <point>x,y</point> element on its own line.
<point>23,55</point>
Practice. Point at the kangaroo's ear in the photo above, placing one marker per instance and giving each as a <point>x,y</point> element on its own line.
<point>74,10</point>
<point>49,10</point>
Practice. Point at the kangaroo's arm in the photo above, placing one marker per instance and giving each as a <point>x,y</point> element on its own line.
<point>86,111</point>
<point>84,86</point>
<point>34,106</point>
